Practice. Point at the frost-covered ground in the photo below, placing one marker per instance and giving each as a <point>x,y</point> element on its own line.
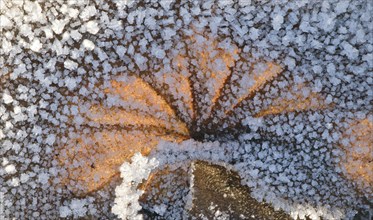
<point>278,91</point>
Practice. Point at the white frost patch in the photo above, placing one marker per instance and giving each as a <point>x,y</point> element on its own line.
<point>24,178</point>
<point>7,98</point>
<point>126,204</point>
<point>71,65</point>
<point>87,44</point>
<point>36,45</point>
<point>65,211</point>
<point>5,22</point>
<point>51,139</point>
<point>92,27</point>
<point>75,35</point>
<point>254,33</point>
<point>277,22</point>
<point>10,169</point>
<point>17,110</point>
<point>77,208</point>
<point>5,162</point>
<point>307,211</point>
<point>70,83</point>
<point>14,182</point>
<point>341,7</point>
<point>48,33</point>
<point>88,12</point>
<point>73,13</point>
<point>350,51</point>
<point>34,11</point>
<point>6,46</point>
<point>121,4</point>
<point>43,178</point>
<point>58,26</point>
<point>57,47</point>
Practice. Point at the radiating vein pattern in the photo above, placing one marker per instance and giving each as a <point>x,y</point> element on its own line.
<point>152,116</point>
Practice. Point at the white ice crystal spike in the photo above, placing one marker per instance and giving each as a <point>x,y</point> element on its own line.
<point>126,203</point>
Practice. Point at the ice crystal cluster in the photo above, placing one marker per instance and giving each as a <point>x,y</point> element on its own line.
<point>278,91</point>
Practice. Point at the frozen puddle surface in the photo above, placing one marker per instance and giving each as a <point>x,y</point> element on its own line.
<point>111,109</point>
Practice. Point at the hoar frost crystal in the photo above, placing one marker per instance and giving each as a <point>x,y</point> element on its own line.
<point>105,105</point>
